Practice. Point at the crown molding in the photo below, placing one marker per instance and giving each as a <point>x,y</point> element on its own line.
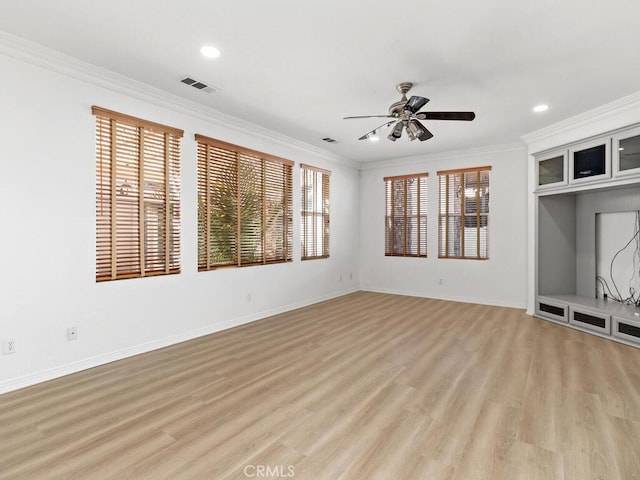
<point>448,155</point>
<point>590,118</point>
<point>36,54</point>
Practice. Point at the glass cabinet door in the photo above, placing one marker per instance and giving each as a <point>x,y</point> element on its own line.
<point>552,170</point>
<point>590,161</point>
<point>626,150</point>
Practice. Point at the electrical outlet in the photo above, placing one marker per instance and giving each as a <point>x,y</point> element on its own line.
<point>9,346</point>
<point>72,333</point>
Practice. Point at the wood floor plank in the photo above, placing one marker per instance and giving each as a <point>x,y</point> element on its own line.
<point>493,435</point>
<point>367,385</point>
<point>529,462</point>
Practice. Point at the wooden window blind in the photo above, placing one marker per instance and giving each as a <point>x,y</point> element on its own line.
<point>406,215</point>
<point>137,197</point>
<point>463,228</point>
<point>245,206</point>
<point>315,212</point>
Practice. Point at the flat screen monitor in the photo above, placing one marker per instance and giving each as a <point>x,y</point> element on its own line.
<point>589,162</point>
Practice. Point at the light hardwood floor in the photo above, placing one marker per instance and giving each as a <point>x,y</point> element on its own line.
<point>366,386</point>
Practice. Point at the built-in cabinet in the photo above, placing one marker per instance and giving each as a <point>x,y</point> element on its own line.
<point>616,155</point>
<point>574,184</point>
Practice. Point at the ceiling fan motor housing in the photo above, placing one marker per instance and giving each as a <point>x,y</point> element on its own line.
<point>396,107</point>
<point>404,87</point>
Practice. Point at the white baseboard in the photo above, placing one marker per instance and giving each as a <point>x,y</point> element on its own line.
<point>69,368</point>
<point>452,298</point>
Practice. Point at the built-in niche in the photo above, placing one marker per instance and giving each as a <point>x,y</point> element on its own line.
<point>578,236</point>
<point>599,230</point>
<point>618,256</point>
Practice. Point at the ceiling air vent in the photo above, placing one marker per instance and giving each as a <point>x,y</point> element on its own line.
<point>329,140</point>
<point>192,82</point>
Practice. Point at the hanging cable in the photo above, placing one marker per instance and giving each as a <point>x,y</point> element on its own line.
<point>634,297</point>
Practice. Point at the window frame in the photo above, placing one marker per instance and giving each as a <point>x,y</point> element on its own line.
<point>116,143</point>
<point>421,213</point>
<point>242,159</point>
<point>445,214</point>
<point>322,213</point>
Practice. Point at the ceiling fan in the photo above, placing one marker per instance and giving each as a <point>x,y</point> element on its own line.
<point>406,116</point>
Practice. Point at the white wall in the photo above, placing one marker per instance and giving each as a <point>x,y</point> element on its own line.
<point>47,235</point>
<point>613,232</point>
<point>594,244</point>
<point>501,280</point>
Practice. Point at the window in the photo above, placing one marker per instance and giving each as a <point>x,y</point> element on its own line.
<point>245,206</point>
<point>137,197</point>
<point>464,213</point>
<point>406,215</point>
<point>315,212</point>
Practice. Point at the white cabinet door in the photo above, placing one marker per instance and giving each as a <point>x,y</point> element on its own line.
<point>626,329</point>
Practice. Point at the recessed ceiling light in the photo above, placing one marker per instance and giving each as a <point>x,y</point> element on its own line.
<point>210,51</point>
<point>540,108</point>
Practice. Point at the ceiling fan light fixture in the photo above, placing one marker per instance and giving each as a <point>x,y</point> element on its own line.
<point>373,137</point>
<point>396,133</point>
<point>413,129</point>
<point>418,130</point>
<point>410,134</point>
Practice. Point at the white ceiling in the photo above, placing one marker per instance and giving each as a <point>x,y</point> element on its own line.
<point>297,67</point>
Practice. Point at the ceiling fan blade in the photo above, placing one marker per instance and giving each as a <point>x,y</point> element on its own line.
<point>467,116</point>
<point>375,130</point>
<point>415,103</point>
<point>369,116</point>
<point>419,130</point>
